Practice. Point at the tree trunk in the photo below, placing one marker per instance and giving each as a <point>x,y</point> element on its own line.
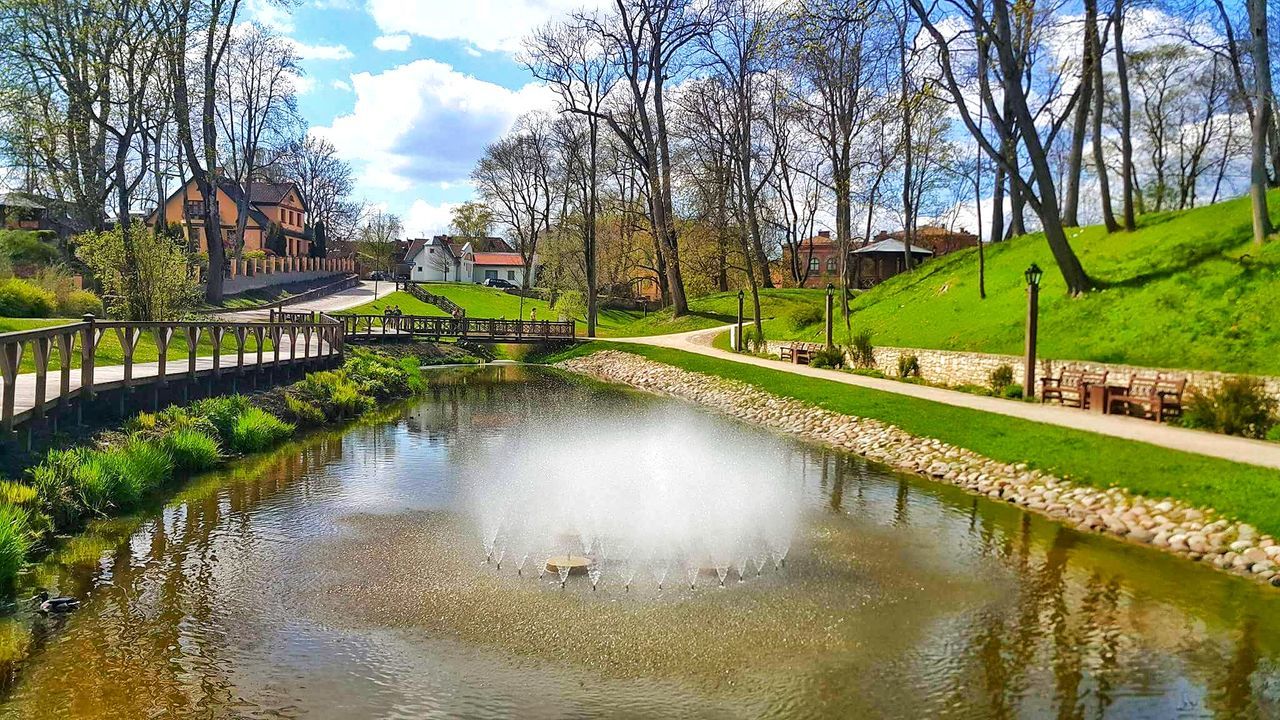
<point>1079,128</point>
<point>1261,121</point>
<point>1126,119</point>
<point>997,205</point>
<point>1099,158</point>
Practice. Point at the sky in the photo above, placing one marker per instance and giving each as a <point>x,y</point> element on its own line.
<point>411,91</point>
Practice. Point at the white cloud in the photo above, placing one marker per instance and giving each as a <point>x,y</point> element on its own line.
<point>321,52</point>
<point>425,123</point>
<point>342,85</point>
<point>472,51</point>
<point>489,25</point>
<point>399,42</point>
<point>426,220</point>
<point>303,84</point>
<point>270,14</point>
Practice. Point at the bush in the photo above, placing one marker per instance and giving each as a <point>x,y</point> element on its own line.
<point>1001,378</point>
<point>192,450</point>
<point>19,494</point>
<point>19,298</point>
<point>1239,406</point>
<point>29,248</point>
<point>974,389</point>
<point>832,357</point>
<point>58,485</point>
<point>15,542</point>
<point>908,366</point>
<point>334,395</point>
<point>806,315</point>
<point>862,350</point>
<point>258,430</point>
<point>222,413</point>
<point>1013,392</point>
<point>160,287</point>
<point>79,303</point>
<point>1274,433</point>
<point>303,412</point>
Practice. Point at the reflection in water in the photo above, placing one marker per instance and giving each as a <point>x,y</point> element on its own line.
<point>343,577</point>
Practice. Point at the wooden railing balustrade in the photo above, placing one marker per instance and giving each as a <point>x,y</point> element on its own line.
<point>477,329</point>
<point>27,395</point>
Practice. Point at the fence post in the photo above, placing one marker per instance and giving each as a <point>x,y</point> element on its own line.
<point>88,347</point>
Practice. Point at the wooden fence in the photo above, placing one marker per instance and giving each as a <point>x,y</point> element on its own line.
<point>475,329</point>
<point>260,349</point>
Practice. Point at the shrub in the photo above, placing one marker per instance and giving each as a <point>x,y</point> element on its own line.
<point>974,389</point>
<point>19,298</point>
<point>222,413</point>
<point>58,486</point>
<point>79,303</point>
<point>867,372</point>
<point>832,357</point>
<point>334,395</point>
<point>908,366</point>
<point>806,315</point>
<point>29,248</point>
<point>191,450</point>
<point>19,494</point>
<point>1274,433</point>
<point>862,350</point>
<point>1001,378</point>
<point>302,411</point>
<point>1013,391</point>
<point>1239,406</point>
<point>164,288</point>
<point>257,430</point>
<point>15,542</point>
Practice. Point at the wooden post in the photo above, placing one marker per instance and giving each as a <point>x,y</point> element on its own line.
<point>40,347</point>
<point>163,336</point>
<point>88,347</point>
<point>215,334</point>
<point>128,343</point>
<point>193,343</point>
<point>10,358</point>
<point>66,343</point>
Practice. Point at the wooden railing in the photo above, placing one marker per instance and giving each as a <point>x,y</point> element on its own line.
<point>478,329</point>
<point>30,395</point>
<point>439,301</point>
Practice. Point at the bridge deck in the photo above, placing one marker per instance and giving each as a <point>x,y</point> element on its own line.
<point>477,329</point>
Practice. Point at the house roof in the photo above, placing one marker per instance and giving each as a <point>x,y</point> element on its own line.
<point>499,258</point>
<point>269,193</point>
<point>891,245</point>
<point>14,200</point>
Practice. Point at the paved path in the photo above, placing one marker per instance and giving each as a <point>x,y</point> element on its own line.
<point>341,300</point>
<point>1252,452</point>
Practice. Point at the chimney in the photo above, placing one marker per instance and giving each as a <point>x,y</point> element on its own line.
<point>824,233</point>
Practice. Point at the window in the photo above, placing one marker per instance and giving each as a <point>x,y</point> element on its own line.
<point>195,208</point>
<point>831,265</point>
<point>490,274</point>
<point>419,268</point>
<point>815,265</point>
<point>511,274</point>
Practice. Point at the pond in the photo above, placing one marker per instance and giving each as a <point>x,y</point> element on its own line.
<point>398,569</point>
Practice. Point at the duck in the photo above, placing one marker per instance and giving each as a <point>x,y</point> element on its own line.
<point>46,604</point>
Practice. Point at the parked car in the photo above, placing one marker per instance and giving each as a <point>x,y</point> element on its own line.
<point>378,275</point>
<point>499,283</point>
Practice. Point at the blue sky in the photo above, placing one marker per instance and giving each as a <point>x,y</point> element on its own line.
<point>411,91</point>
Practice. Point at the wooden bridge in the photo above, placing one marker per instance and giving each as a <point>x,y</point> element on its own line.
<point>462,328</point>
<point>68,374</point>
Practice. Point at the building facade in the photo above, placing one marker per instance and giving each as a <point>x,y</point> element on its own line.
<point>445,259</point>
<point>269,204</point>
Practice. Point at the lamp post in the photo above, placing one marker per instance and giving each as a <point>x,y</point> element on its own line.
<point>831,296</point>
<point>1033,276</point>
<point>740,344</point>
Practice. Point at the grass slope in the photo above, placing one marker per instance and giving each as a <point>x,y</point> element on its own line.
<point>1243,491</point>
<point>1185,290</point>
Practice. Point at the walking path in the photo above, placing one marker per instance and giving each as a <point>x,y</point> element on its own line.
<point>341,300</point>
<point>1227,447</point>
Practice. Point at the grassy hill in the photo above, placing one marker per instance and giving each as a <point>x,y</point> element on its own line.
<point>704,312</point>
<point>1184,290</point>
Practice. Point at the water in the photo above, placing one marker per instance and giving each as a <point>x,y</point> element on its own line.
<point>346,576</point>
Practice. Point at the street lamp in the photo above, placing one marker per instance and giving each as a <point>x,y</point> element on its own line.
<point>1033,275</point>
<point>831,296</point>
<point>741,297</point>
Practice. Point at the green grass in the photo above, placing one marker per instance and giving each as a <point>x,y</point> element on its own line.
<point>1185,290</point>
<point>704,312</point>
<point>1249,493</point>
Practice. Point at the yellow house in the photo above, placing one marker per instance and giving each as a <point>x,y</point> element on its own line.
<point>269,203</point>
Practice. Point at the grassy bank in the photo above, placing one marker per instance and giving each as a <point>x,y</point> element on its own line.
<point>777,307</point>
<point>1251,494</point>
<point>153,451</point>
<point>1184,290</point>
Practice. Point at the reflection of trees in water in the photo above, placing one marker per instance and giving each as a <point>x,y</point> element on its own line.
<point>1086,634</point>
<point>133,651</point>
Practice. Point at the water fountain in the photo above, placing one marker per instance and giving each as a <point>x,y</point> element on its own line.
<point>602,495</point>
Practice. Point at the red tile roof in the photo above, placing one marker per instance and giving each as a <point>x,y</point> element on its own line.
<point>512,259</point>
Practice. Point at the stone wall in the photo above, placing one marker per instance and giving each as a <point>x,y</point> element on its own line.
<point>950,367</point>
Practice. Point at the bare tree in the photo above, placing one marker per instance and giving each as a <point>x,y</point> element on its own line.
<point>514,178</point>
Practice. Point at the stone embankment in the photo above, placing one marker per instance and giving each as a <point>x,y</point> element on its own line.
<point>1174,526</point>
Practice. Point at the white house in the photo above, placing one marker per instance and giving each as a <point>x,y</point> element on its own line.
<point>440,260</point>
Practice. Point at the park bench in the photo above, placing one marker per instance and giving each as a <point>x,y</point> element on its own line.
<point>1157,397</point>
<point>799,353</point>
<point>1071,387</point>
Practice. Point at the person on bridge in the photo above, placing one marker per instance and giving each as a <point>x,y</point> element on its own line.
<point>533,314</point>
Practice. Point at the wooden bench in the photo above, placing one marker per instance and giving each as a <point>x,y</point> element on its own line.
<point>799,353</point>
<point>1156,397</point>
<point>1071,387</point>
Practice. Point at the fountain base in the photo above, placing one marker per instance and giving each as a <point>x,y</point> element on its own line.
<point>576,563</point>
